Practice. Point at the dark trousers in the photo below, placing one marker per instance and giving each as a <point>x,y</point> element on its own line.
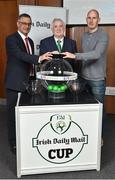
<point>11,96</point>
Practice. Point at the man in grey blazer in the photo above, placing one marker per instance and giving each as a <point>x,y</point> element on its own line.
<point>93,57</point>
<point>18,68</point>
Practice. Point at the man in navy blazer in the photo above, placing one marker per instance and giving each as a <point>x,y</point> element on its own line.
<point>18,68</point>
<point>49,44</point>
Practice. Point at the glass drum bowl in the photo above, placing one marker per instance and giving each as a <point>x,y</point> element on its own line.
<point>56,76</point>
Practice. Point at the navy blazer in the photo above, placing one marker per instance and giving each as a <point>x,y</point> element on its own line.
<point>48,45</point>
<point>18,62</point>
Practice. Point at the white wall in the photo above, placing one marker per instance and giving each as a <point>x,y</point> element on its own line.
<point>77,10</point>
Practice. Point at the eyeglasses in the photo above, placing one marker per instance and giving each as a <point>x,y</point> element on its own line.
<point>25,24</point>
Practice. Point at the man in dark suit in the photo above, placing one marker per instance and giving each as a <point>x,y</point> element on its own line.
<point>50,44</point>
<point>20,56</point>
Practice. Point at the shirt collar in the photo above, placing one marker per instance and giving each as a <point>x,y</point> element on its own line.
<point>22,35</point>
<point>56,39</point>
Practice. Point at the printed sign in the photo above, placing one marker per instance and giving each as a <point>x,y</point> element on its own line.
<point>65,139</point>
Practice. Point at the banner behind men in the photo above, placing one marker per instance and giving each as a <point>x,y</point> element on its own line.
<point>42,17</point>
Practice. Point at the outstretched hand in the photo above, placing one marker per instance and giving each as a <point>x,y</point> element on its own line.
<point>46,56</point>
<point>68,55</point>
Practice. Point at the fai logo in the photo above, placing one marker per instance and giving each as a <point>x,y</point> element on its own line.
<point>60,123</point>
<point>60,140</point>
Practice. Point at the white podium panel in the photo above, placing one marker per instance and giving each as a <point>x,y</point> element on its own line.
<point>58,138</point>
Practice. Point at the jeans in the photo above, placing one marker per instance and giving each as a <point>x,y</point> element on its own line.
<point>97,89</point>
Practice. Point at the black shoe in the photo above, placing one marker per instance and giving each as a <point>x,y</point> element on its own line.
<point>102,143</point>
<point>13,149</point>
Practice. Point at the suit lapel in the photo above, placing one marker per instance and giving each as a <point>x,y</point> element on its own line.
<point>53,44</point>
<point>21,42</point>
<point>22,45</point>
<point>32,46</point>
<point>64,45</point>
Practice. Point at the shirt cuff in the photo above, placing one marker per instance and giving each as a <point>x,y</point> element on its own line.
<point>39,61</point>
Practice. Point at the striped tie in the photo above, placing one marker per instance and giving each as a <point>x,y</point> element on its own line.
<point>31,67</point>
<point>59,45</point>
<point>27,45</point>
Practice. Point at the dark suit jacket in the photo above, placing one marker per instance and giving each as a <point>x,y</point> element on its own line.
<point>18,62</point>
<point>48,45</point>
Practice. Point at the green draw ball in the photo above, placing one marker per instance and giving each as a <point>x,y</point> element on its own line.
<point>59,89</point>
<point>65,86</point>
<point>50,87</point>
<point>62,88</point>
<point>55,88</point>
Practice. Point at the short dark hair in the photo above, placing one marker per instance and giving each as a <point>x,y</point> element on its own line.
<point>24,15</point>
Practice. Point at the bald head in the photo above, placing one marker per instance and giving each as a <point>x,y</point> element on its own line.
<point>92,20</point>
<point>95,11</point>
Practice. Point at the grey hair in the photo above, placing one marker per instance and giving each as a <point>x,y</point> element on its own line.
<point>57,19</point>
